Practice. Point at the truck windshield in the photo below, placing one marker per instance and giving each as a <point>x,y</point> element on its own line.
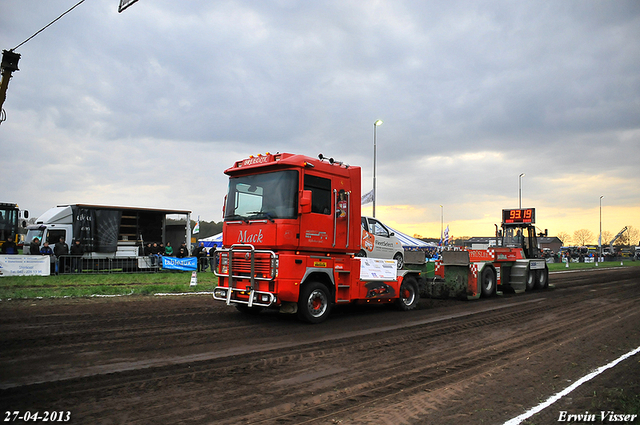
<point>8,223</point>
<point>513,238</point>
<point>34,233</point>
<point>263,196</point>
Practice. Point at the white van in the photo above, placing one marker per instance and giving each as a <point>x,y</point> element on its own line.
<point>379,242</point>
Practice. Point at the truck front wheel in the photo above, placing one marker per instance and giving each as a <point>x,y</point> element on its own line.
<point>314,304</point>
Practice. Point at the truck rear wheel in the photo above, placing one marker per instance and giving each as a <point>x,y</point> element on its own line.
<point>487,282</point>
<point>314,304</point>
<point>531,279</point>
<point>408,296</point>
<point>542,278</point>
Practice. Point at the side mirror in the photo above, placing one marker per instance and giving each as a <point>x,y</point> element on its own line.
<point>305,202</point>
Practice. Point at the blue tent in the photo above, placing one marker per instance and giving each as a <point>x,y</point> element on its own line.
<point>212,241</point>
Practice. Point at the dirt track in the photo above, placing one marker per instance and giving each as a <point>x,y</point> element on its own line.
<point>192,360</point>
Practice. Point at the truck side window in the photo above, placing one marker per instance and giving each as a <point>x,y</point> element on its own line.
<point>320,193</point>
<point>377,228</point>
<point>53,236</point>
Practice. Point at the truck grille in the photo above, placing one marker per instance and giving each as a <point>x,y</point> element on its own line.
<point>240,260</point>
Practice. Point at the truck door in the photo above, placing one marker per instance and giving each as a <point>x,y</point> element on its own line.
<point>316,228</point>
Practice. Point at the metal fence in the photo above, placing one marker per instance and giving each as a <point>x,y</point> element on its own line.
<point>69,264</point>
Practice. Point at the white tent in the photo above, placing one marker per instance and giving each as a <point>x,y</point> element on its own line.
<point>411,243</point>
<point>212,241</point>
<point>407,241</point>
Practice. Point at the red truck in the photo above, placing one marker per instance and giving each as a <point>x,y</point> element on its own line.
<point>291,233</point>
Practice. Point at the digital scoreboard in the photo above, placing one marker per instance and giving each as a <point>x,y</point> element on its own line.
<point>519,216</point>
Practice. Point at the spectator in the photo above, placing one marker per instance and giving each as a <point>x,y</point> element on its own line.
<point>155,254</point>
<point>168,250</point>
<point>212,259</point>
<point>60,249</point>
<point>201,254</point>
<point>183,251</point>
<point>9,247</point>
<point>76,260</point>
<point>34,247</point>
<point>46,250</point>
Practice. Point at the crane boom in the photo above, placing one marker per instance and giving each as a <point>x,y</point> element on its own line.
<point>616,238</point>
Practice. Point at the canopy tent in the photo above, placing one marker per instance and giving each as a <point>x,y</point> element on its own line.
<point>411,243</point>
<point>212,241</point>
<point>407,241</point>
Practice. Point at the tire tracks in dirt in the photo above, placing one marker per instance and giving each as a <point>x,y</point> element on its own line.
<point>402,371</point>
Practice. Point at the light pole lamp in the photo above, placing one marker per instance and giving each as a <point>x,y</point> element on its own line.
<point>520,190</point>
<point>375,131</point>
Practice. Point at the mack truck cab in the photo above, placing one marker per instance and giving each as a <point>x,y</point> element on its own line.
<point>291,234</point>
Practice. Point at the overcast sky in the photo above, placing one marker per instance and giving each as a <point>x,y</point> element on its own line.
<point>149,106</point>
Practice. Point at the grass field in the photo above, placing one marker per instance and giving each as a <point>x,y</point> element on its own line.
<point>85,285</point>
<point>586,266</point>
<point>88,285</point>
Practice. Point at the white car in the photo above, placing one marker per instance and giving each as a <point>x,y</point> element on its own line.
<point>379,242</point>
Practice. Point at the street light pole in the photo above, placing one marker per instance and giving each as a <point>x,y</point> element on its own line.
<point>441,222</point>
<point>375,131</point>
<point>600,238</point>
<point>520,191</point>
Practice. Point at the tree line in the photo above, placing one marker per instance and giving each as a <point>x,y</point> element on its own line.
<point>581,237</point>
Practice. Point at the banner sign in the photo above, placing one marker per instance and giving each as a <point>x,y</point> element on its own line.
<point>84,230</point>
<point>186,264</point>
<point>24,265</point>
<point>378,269</point>
<point>97,229</point>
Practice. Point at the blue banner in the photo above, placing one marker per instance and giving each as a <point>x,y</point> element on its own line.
<point>187,264</point>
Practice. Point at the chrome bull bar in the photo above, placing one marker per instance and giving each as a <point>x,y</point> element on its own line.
<point>244,262</point>
<point>256,298</point>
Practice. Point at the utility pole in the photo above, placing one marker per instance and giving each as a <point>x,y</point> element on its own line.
<point>9,64</point>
